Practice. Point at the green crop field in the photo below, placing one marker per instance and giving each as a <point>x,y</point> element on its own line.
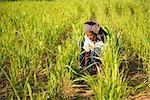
<point>39,49</point>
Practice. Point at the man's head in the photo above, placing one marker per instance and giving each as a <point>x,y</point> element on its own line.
<point>92,27</point>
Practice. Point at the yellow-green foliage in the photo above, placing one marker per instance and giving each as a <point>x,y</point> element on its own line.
<point>39,45</point>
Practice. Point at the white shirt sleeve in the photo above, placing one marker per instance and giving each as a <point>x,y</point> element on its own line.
<point>99,44</point>
<point>88,44</point>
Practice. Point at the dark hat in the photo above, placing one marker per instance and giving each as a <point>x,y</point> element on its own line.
<point>91,27</point>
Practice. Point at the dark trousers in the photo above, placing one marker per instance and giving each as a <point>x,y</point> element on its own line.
<point>90,58</point>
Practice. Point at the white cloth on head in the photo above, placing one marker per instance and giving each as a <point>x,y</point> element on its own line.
<point>95,29</point>
<point>88,28</point>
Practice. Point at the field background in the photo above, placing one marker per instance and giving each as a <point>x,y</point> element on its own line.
<point>39,49</point>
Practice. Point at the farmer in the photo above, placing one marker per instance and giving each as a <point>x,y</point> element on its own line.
<point>92,44</point>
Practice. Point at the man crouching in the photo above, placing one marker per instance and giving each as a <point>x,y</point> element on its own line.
<point>92,45</point>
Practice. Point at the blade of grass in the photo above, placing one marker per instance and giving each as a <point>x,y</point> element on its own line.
<point>11,84</point>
